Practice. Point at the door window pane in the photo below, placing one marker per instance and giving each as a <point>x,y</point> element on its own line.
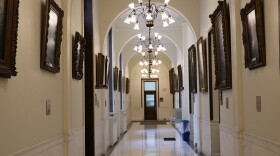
<point>150,100</point>
<point>150,86</point>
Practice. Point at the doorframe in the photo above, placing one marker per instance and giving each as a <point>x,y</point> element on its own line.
<point>157,93</point>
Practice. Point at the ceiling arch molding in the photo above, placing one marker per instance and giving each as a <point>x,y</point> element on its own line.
<point>118,7</point>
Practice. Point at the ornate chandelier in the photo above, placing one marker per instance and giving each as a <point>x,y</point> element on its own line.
<point>149,44</point>
<point>149,67</point>
<point>149,11</point>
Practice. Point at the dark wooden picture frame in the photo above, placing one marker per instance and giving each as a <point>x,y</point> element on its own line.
<point>52,37</point>
<point>100,62</point>
<point>202,65</point>
<point>127,83</point>
<point>192,69</point>
<point>120,81</point>
<point>171,81</point>
<point>180,77</point>
<point>106,72</point>
<point>78,51</point>
<point>252,18</point>
<point>8,37</point>
<point>175,82</point>
<point>116,76</point>
<point>222,48</point>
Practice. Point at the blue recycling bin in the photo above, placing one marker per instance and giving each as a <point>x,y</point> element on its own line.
<point>185,130</point>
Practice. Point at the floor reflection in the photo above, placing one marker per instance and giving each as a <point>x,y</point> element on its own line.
<point>148,140</point>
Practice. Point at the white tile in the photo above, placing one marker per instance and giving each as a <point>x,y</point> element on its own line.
<point>143,140</point>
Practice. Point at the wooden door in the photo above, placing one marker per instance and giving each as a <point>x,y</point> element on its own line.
<point>150,103</point>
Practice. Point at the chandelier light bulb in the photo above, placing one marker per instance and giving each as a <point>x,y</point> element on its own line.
<point>135,48</point>
<point>157,70</point>
<point>143,38</point>
<point>146,63</point>
<point>127,20</point>
<point>160,47</point>
<point>159,62</point>
<point>131,5</point>
<point>156,35</point>
<point>166,2</point>
<point>149,16</point>
<point>141,63</point>
<point>165,24</point>
<point>164,16</point>
<point>154,62</point>
<point>133,19</point>
<point>143,54</point>
<point>140,47</point>
<point>140,1</point>
<point>136,27</point>
<point>163,49</point>
<point>159,37</point>
<point>139,35</point>
<point>171,20</point>
<point>156,53</point>
<point>150,46</point>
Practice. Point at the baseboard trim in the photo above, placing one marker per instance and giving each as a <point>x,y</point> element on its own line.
<point>262,142</point>
<point>41,147</point>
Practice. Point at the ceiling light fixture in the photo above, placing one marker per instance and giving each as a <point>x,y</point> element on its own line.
<point>149,65</point>
<point>152,43</point>
<point>149,11</point>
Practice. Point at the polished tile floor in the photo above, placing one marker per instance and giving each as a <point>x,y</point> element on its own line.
<point>148,140</point>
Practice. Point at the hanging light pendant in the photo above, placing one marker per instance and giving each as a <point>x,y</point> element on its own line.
<point>149,11</point>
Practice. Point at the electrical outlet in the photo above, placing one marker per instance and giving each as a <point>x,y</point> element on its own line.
<point>259,103</point>
<point>48,107</point>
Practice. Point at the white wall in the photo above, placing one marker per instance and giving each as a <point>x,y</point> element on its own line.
<point>25,128</point>
<point>259,130</point>
<point>260,127</point>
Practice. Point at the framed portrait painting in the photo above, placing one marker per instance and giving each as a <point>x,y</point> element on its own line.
<point>222,48</point>
<point>127,85</point>
<point>180,77</point>
<point>116,76</point>
<point>9,12</point>
<point>253,34</point>
<point>52,37</point>
<point>192,69</point>
<point>171,81</point>
<point>202,65</point>
<point>78,56</point>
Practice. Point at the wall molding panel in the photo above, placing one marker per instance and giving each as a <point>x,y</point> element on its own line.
<point>254,146</point>
<point>52,146</point>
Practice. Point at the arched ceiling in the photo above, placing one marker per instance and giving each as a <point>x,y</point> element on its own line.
<point>167,40</point>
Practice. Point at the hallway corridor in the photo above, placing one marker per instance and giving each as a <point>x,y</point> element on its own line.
<point>148,140</point>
